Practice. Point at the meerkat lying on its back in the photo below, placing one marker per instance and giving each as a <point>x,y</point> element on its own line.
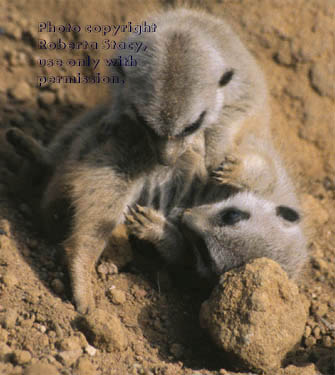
<point>215,237</point>
<point>192,98</point>
<point>219,236</point>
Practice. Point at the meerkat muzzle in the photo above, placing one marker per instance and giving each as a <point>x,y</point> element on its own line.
<point>169,151</point>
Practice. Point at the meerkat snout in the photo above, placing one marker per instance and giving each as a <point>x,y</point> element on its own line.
<point>169,150</point>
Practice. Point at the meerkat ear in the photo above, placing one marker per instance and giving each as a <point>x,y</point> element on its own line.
<point>226,77</point>
<point>287,213</point>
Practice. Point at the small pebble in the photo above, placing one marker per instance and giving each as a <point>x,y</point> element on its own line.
<point>317,332</point>
<point>9,279</point>
<point>47,98</point>
<point>319,309</point>
<point>52,334</point>
<point>12,31</point>
<point>117,296</point>
<point>310,341</point>
<point>68,358</point>
<point>5,352</point>
<point>27,323</point>
<point>57,286</point>
<point>8,320</point>
<point>41,328</point>
<point>139,292</point>
<point>308,331</point>
<point>21,92</point>
<point>21,357</point>
<point>3,335</point>
<point>71,343</point>
<point>327,341</point>
<point>84,367</point>
<point>41,369</point>
<point>90,350</point>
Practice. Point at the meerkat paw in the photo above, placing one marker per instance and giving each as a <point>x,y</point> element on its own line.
<point>228,173</point>
<point>84,303</point>
<point>145,223</point>
<point>82,293</point>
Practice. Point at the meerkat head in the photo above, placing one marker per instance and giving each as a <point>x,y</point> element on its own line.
<point>188,72</point>
<point>228,234</point>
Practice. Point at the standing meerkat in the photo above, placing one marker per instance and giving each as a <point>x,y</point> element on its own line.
<point>195,96</point>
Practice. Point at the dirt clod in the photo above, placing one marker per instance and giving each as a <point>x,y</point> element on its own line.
<point>70,343</point>
<point>21,91</point>
<point>69,357</point>
<point>5,352</point>
<point>84,367</point>
<point>256,314</point>
<point>8,318</point>
<point>118,297</point>
<point>21,357</point>
<point>41,369</point>
<point>57,286</point>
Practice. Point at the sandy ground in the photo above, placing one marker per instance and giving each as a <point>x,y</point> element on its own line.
<point>293,41</point>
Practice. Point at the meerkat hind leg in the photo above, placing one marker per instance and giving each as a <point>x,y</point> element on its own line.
<point>81,260</point>
<point>99,200</point>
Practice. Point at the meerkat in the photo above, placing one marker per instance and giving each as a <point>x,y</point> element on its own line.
<point>213,237</point>
<point>195,96</point>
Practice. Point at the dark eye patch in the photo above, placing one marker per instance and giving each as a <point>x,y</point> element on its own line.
<point>226,78</point>
<point>195,126</point>
<point>287,213</point>
<point>232,215</point>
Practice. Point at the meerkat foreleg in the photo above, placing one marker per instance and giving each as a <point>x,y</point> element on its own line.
<point>150,225</point>
<point>227,172</point>
<point>254,171</point>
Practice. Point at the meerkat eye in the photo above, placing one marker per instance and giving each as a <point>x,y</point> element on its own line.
<point>287,213</point>
<point>226,77</point>
<point>232,215</point>
<point>195,126</point>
